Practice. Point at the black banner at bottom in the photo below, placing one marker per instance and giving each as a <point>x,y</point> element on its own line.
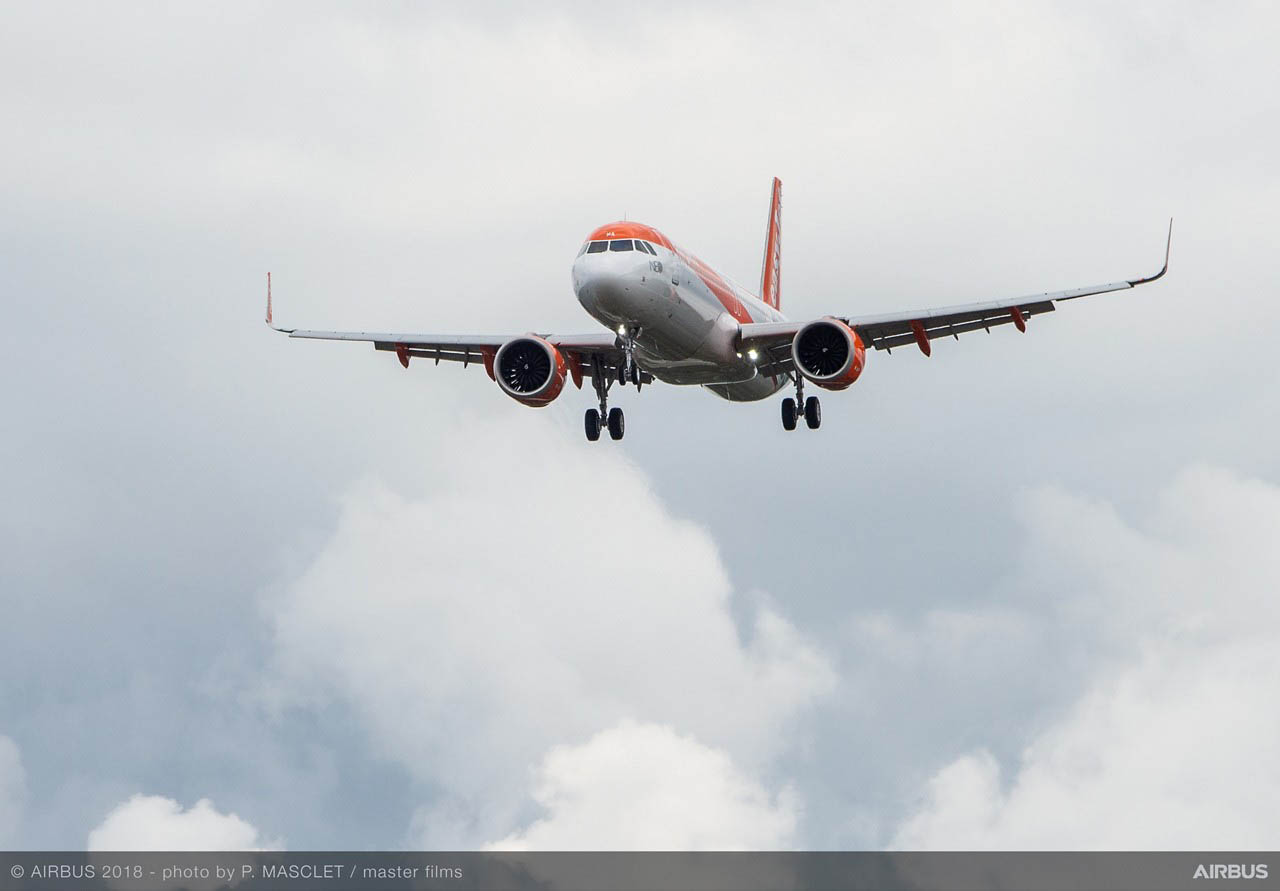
<point>790,871</point>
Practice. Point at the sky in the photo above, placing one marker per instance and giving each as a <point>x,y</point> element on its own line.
<point>261,593</point>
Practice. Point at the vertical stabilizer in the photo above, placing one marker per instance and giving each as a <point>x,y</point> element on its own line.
<point>771,274</point>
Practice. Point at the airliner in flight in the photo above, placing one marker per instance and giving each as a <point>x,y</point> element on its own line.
<point>672,318</point>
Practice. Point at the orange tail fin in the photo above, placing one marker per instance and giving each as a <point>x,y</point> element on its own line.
<point>771,275</point>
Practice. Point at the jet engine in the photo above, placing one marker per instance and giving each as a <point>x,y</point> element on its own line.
<point>829,353</point>
<point>530,370</point>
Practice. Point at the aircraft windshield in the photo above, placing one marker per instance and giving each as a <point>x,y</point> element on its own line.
<point>597,247</point>
<point>622,244</point>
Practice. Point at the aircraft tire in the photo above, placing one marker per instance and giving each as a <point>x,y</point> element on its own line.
<point>617,424</point>
<point>788,414</point>
<point>813,413</point>
<point>592,424</point>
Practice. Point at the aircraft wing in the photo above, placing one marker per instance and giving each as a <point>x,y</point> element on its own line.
<point>470,348</point>
<point>772,340</point>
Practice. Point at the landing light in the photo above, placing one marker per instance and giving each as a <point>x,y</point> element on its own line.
<point>752,355</point>
<point>622,329</point>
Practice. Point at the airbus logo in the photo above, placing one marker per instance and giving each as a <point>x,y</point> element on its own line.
<point>1231,871</point>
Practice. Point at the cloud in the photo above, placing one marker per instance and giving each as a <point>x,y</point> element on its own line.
<point>13,788</point>
<point>156,823</point>
<point>1173,744</point>
<point>647,787</point>
<point>534,591</point>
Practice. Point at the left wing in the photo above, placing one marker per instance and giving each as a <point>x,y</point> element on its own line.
<point>888,330</point>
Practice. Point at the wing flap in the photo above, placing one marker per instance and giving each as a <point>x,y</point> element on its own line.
<point>887,335</point>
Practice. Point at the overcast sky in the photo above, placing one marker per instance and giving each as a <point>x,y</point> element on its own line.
<point>263,593</point>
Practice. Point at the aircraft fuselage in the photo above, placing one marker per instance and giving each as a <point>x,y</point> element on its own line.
<point>683,315</point>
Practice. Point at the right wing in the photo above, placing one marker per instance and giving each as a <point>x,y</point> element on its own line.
<point>584,351</point>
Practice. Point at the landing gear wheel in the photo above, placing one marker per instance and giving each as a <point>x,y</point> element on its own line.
<point>635,375</point>
<point>813,413</point>
<point>622,375</point>
<point>617,425</point>
<point>788,414</point>
<point>592,423</point>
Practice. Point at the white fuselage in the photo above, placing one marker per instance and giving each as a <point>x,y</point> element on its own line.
<point>684,317</point>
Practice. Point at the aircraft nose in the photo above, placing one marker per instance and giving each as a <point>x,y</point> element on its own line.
<point>605,288</point>
<point>606,281</point>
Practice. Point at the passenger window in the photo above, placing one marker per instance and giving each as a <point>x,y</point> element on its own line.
<point>597,247</point>
<point>622,244</point>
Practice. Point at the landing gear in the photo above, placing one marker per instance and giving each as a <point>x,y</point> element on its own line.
<point>601,380</point>
<point>813,413</point>
<point>628,371</point>
<point>792,408</point>
<point>788,414</point>
<point>632,376</point>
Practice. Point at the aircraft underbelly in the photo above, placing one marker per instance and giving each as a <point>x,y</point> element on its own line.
<point>694,342</point>
<point>686,337</point>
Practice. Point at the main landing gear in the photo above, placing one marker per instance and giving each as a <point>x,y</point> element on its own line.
<point>614,421</point>
<point>791,408</point>
<point>604,417</point>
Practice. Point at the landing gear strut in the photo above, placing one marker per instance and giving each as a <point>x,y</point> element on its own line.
<point>628,371</point>
<point>604,416</point>
<point>792,408</point>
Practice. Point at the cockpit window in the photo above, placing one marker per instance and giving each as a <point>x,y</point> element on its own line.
<point>582,250</point>
<point>645,246</point>
<point>622,244</point>
<point>597,247</point>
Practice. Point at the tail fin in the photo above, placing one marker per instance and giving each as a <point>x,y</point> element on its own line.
<point>771,274</point>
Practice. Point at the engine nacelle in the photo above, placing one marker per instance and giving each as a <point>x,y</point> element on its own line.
<point>829,353</point>
<point>530,370</point>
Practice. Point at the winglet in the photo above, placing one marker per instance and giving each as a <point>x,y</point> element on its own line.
<point>271,324</point>
<point>1163,269</point>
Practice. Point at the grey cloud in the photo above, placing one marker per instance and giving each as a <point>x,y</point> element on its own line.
<point>483,619</point>
<point>1169,749</point>
<point>12,790</point>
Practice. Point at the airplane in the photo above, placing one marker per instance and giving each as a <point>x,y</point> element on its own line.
<point>672,318</point>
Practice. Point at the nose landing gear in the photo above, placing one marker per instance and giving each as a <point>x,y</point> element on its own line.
<point>792,408</point>
<point>612,418</point>
<point>628,371</point>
